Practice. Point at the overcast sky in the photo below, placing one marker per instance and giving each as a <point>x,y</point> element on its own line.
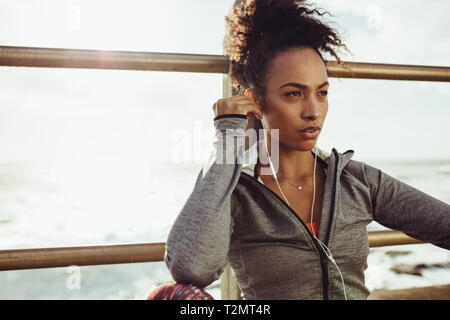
<point>136,116</point>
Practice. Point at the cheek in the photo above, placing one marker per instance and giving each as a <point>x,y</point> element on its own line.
<point>280,119</point>
<point>277,111</point>
<point>325,110</point>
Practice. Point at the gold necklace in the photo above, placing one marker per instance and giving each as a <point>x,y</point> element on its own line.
<point>298,187</point>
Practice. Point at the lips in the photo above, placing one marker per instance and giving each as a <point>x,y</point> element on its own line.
<point>310,129</point>
<point>306,134</point>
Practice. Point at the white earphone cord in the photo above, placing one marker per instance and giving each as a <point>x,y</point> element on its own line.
<point>322,245</point>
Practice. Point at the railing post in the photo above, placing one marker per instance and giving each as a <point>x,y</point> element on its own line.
<point>228,284</point>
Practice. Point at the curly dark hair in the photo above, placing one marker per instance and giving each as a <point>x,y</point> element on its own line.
<point>259,29</point>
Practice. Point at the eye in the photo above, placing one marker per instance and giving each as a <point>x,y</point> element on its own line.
<point>291,94</point>
<point>324,92</point>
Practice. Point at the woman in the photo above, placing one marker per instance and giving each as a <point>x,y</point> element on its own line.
<point>296,228</point>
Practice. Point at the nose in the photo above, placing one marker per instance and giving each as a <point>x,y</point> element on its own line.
<point>312,109</point>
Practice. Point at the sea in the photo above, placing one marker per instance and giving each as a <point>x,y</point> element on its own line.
<point>75,203</point>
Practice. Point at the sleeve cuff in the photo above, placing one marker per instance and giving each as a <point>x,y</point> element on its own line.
<point>233,115</point>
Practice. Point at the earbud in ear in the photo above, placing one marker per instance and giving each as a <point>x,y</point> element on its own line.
<point>249,93</point>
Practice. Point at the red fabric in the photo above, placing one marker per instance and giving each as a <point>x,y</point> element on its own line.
<point>315,226</point>
<point>177,291</point>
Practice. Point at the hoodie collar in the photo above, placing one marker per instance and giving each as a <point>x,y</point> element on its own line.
<point>344,158</point>
<point>251,157</point>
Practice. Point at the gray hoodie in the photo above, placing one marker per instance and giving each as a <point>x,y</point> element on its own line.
<point>232,217</point>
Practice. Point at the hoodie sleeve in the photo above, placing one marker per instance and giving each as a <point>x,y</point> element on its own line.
<point>198,241</point>
<point>399,206</point>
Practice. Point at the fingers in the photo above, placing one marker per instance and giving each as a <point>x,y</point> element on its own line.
<point>256,110</point>
<point>239,104</point>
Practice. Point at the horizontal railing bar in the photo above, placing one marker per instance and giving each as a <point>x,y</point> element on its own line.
<point>182,62</point>
<point>440,292</point>
<point>102,59</point>
<point>81,256</point>
<point>390,238</point>
<point>382,71</point>
<point>16,259</point>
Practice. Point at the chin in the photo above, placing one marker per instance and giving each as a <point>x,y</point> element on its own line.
<point>305,145</point>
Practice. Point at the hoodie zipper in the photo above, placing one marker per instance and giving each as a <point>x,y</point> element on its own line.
<point>330,219</point>
<point>323,262</point>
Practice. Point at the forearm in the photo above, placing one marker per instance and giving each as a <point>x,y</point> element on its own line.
<point>198,242</point>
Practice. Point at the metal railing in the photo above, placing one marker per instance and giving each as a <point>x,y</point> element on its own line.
<point>125,60</point>
<point>17,259</point>
<point>180,62</point>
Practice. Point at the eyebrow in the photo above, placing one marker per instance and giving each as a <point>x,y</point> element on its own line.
<point>301,86</point>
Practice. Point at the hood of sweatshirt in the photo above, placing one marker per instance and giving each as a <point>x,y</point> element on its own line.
<point>252,153</point>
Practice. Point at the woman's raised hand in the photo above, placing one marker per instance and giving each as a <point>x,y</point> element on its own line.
<point>239,104</point>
